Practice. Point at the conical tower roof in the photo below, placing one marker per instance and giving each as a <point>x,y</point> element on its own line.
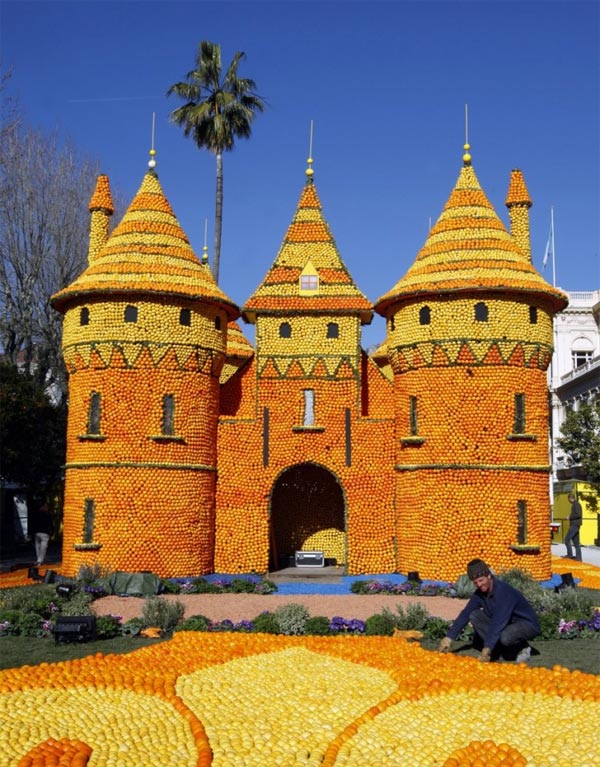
<point>308,247</point>
<point>147,253</point>
<point>470,249</point>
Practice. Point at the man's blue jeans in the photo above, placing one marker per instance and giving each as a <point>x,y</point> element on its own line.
<point>573,537</point>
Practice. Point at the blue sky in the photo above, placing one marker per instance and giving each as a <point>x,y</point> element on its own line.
<point>385,82</point>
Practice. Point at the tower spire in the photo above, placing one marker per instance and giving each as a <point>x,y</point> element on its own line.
<point>467,146</point>
<point>309,171</point>
<point>152,161</point>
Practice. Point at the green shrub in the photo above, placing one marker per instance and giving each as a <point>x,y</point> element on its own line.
<point>202,586</point>
<point>292,618</point>
<point>243,586</point>
<point>436,628</point>
<point>194,623</point>
<point>170,587</point>
<point>265,623</point>
<point>108,626</point>
<point>549,625</point>
<point>465,588</point>
<point>79,603</point>
<point>30,625</point>
<point>380,624</point>
<point>359,587</point>
<point>164,613</point>
<point>317,626</point>
<point>414,619</point>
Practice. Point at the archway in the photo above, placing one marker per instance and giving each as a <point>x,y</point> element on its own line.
<point>307,513</point>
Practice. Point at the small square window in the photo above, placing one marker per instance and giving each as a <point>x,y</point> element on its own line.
<point>285,330</point>
<point>131,314</point>
<point>424,315</point>
<point>481,312</point>
<point>333,330</point>
<point>533,315</point>
<point>84,316</point>
<point>309,282</point>
<point>185,317</point>
<point>217,322</point>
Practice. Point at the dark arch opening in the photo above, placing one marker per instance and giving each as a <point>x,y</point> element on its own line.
<point>307,514</point>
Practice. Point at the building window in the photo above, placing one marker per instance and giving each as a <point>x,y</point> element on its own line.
<point>424,315</point>
<point>93,421</point>
<point>84,316</point>
<point>414,419</point>
<point>168,415</point>
<point>131,314</point>
<point>333,330</point>
<point>217,323</point>
<point>533,315</point>
<point>392,321</point>
<point>185,317</point>
<point>89,512</point>
<point>519,424</point>
<point>521,522</point>
<point>481,312</point>
<point>580,357</point>
<point>285,330</point>
<point>309,282</point>
<point>308,418</point>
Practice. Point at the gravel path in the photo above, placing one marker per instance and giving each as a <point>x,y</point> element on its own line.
<point>238,607</point>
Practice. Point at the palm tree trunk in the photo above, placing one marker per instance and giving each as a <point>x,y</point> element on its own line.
<point>218,216</point>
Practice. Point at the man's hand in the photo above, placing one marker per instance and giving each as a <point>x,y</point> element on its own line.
<point>486,655</point>
<point>445,644</point>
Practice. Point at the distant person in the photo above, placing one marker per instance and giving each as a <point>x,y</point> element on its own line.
<point>502,618</point>
<point>42,530</point>
<point>572,536</point>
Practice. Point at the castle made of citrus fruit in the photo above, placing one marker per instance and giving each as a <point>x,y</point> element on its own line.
<point>189,451</point>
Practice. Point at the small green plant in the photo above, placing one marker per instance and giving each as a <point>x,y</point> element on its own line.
<point>317,626</point>
<point>436,628</point>
<point>132,627</point>
<point>242,586</point>
<point>194,623</point>
<point>380,624</point>
<point>465,587</point>
<point>265,623</point>
<point>292,618</point>
<point>108,626</point>
<point>79,603</point>
<point>202,586</point>
<point>161,612</point>
<point>413,619</point>
<point>359,587</point>
<point>169,586</point>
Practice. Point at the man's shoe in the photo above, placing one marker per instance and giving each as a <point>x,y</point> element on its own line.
<point>524,655</point>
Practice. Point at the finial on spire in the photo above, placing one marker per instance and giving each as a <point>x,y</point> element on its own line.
<point>467,146</point>
<point>152,161</point>
<point>309,171</point>
<point>205,248</point>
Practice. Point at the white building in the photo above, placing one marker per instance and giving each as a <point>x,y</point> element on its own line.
<point>573,376</point>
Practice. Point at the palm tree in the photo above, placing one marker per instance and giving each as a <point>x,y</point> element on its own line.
<point>218,110</point>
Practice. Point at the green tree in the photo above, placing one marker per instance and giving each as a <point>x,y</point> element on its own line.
<point>219,109</point>
<point>32,431</point>
<point>580,442</point>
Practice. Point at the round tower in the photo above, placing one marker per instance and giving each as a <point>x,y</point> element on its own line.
<point>469,337</point>
<point>144,339</point>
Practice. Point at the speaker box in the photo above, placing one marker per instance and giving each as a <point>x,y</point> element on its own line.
<point>310,559</point>
<point>74,628</point>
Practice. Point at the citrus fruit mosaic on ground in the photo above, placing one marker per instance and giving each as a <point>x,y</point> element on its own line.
<point>236,700</point>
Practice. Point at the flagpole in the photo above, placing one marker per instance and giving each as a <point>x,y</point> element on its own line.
<point>553,246</point>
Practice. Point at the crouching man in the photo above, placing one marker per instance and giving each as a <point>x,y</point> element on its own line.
<point>503,620</point>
